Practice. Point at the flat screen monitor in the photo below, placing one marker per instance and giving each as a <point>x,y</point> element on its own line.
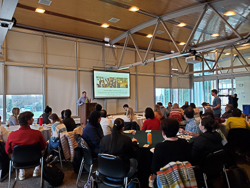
<point>111,85</point>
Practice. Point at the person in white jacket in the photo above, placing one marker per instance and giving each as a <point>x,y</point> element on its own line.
<point>106,123</point>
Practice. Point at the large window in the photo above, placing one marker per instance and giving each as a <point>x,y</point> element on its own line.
<point>33,103</point>
<point>197,67</point>
<point>198,93</point>
<point>184,95</point>
<point>225,88</point>
<point>208,86</point>
<point>162,95</point>
<point>175,96</point>
<point>1,107</point>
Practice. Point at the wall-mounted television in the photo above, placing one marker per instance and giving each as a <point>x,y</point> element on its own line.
<point>111,85</point>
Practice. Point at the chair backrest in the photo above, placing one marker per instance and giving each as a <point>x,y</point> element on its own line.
<point>213,163</point>
<point>87,155</point>
<point>112,166</point>
<point>131,126</point>
<point>27,154</point>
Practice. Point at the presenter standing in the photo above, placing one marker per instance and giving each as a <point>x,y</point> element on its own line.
<point>83,99</point>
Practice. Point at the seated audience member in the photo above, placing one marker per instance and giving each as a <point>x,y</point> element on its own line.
<point>192,126</point>
<point>68,121</point>
<point>206,143</point>
<point>151,122</point>
<point>210,114</point>
<point>120,145</point>
<point>62,114</point>
<point>196,111</point>
<point>169,107</point>
<point>176,113</point>
<point>13,119</point>
<point>92,133</point>
<point>125,107</point>
<point>185,106</point>
<point>25,136</point>
<point>3,133</point>
<point>130,116</point>
<point>237,121</point>
<point>106,123</point>
<point>205,106</point>
<point>172,149</point>
<point>98,107</point>
<point>45,115</point>
<point>157,112</point>
<point>164,111</point>
<point>228,111</point>
<point>57,128</point>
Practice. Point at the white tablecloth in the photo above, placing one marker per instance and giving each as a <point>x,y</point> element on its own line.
<point>46,132</point>
<point>140,119</point>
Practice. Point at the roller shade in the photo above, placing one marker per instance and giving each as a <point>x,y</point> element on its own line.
<point>184,83</point>
<point>61,90</point>
<point>145,92</point>
<point>25,48</point>
<point>162,82</point>
<point>24,80</point>
<point>1,78</point>
<point>175,82</point>
<point>61,52</point>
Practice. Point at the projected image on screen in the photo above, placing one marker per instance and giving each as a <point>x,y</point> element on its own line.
<point>111,84</point>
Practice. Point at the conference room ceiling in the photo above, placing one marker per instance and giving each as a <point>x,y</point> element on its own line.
<point>84,18</point>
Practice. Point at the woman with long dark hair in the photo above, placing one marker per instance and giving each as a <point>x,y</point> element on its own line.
<point>151,122</point>
<point>45,115</point>
<point>120,145</point>
<point>93,133</point>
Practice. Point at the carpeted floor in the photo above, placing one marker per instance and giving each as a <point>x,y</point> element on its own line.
<point>70,177</point>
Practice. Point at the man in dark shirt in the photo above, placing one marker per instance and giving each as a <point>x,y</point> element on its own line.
<point>185,105</point>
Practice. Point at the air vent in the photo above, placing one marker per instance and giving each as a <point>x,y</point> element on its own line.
<point>114,20</point>
<point>159,32</point>
<point>45,2</point>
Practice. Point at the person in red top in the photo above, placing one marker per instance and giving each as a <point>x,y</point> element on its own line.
<point>151,122</point>
<point>25,136</point>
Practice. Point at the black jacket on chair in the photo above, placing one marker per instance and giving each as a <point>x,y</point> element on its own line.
<point>131,126</point>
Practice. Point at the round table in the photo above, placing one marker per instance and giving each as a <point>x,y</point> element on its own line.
<point>46,132</point>
<point>140,119</point>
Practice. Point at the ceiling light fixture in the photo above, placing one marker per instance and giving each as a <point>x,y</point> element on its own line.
<point>105,25</point>
<point>181,24</point>
<point>39,10</point>
<point>213,51</point>
<point>133,9</point>
<point>227,54</point>
<point>182,43</point>
<point>149,36</point>
<point>229,13</point>
<point>215,35</point>
<point>245,44</point>
<point>235,54</point>
<point>248,58</point>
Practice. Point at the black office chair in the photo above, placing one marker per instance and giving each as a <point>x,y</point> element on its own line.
<point>113,167</point>
<point>238,140</point>
<point>25,157</point>
<point>213,166</point>
<point>131,126</point>
<point>87,163</point>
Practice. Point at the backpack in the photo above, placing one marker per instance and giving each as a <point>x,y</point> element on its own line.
<point>238,178</point>
<point>4,161</point>
<point>53,175</point>
<point>76,163</point>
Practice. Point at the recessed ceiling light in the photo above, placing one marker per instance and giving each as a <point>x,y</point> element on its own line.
<point>229,13</point>
<point>215,35</point>
<point>149,36</point>
<point>105,25</point>
<point>181,24</point>
<point>182,43</point>
<point>133,9</point>
<point>213,51</point>
<point>227,54</point>
<point>39,10</point>
<point>248,58</point>
<point>235,54</point>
